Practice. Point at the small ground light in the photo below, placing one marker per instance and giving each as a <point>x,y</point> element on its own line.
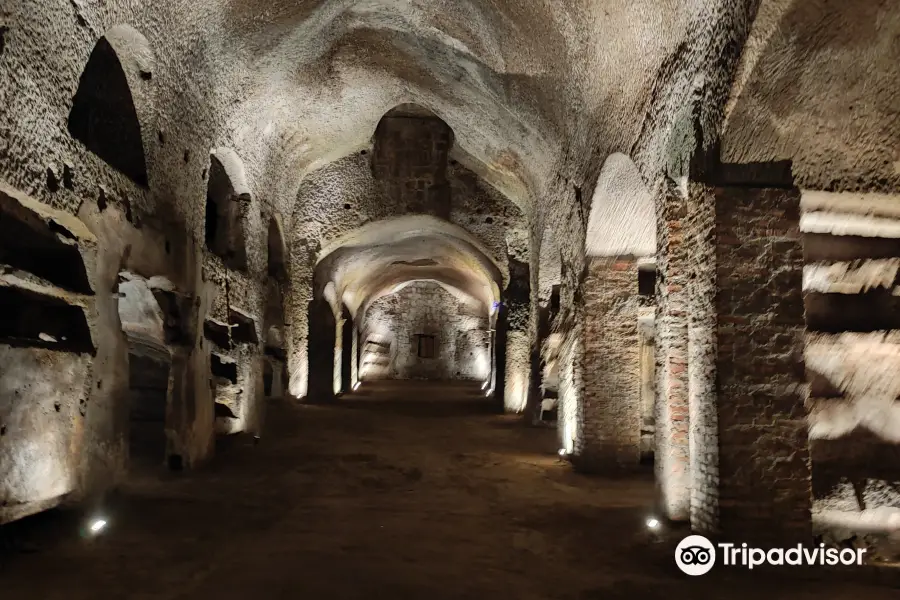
<point>484,385</point>
<point>356,386</point>
<point>97,525</point>
<point>653,523</point>
<point>562,452</point>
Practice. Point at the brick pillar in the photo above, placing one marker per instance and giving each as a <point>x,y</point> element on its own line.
<point>672,459</point>
<point>609,410</point>
<point>749,444</point>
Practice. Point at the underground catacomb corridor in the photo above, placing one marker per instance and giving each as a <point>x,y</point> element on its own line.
<point>402,490</point>
<point>460,299</point>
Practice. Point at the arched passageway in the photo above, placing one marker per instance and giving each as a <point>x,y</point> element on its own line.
<point>457,251</point>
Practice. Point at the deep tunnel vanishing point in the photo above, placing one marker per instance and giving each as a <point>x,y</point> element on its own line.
<point>447,299</point>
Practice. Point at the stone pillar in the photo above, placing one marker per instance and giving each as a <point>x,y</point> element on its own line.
<point>298,295</point>
<point>338,371</point>
<point>321,350</point>
<point>609,411</point>
<point>517,304</point>
<point>671,456</point>
<point>354,358</point>
<point>749,441</point>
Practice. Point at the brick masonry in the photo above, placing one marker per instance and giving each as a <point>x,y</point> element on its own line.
<point>672,457</point>
<point>609,411</point>
<point>410,162</point>
<point>749,446</point>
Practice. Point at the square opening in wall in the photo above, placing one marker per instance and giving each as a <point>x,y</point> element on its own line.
<point>243,328</point>
<point>426,345</point>
<point>34,320</point>
<point>647,282</point>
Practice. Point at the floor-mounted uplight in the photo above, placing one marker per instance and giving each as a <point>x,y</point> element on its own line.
<point>355,386</point>
<point>653,523</point>
<point>562,452</point>
<point>97,525</point>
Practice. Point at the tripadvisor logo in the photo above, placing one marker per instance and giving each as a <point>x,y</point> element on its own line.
<point>696,555</point>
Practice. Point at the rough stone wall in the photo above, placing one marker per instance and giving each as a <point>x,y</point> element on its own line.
<point>747,247</point>
<point>672,453</point>
<point>460,330</point>
<point>610,393</point>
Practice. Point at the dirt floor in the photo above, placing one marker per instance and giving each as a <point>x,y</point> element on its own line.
<point>397,491</point>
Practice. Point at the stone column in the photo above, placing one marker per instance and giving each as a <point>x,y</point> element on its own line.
<point>672,460</point>
<point>338,372</point>
<point>323,337</point>
<point>517,304</point>
<point>749,441</point>
<point>354,358</point>
<point>609,410</point>
<point>298,295</point>
<point>541,329</point>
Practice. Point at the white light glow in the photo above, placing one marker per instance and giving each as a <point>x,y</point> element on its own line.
<point>569,435</point>
<point>484,385</point>
<point>356,386</point>
<point>562,452</point>
<point>653,523</point>
<point>97,525</point>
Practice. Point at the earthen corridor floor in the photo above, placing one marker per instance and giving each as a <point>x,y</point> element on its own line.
<point>398,491</point>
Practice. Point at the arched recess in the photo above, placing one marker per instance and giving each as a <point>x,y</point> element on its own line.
<point>149,371</point>
<point>600,408</point>
<point>111,92</point>
<point>622,220</point>
<point>376,260</point>
<point>227,203</point>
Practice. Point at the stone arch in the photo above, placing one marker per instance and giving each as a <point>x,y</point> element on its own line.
<point>105,109</point>
<point>622,220</point>
<point>228,200</point>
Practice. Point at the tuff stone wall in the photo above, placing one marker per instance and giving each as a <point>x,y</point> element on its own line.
<point>609,411</point>
<point>749,445</point>
<point>462,342</point>
<point>672,453</point>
